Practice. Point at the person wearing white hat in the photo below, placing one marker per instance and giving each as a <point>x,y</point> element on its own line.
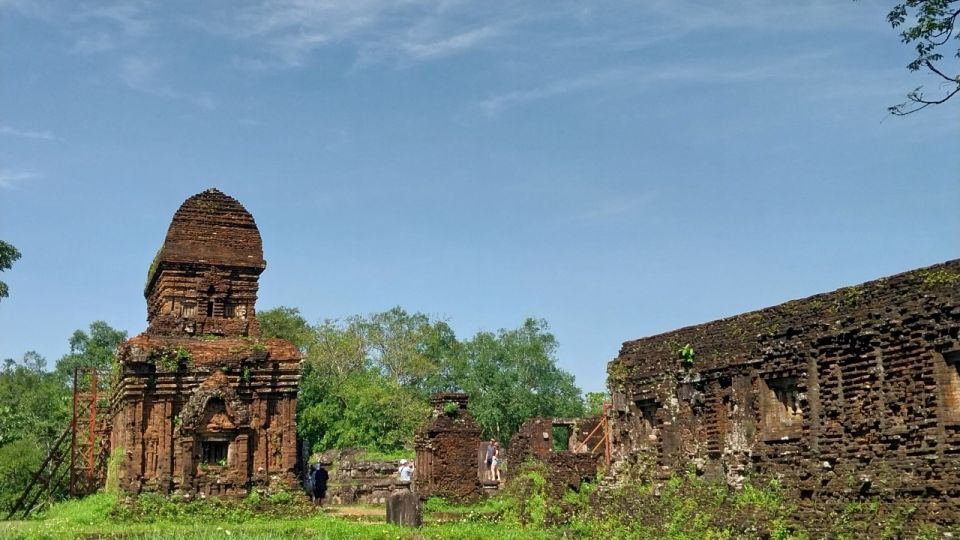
<point>406,471</point>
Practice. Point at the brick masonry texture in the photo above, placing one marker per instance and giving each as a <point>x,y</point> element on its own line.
<point>448,451</point>
<point>354,479</point>
<point>567,468</point>
<point>847,395</point>
<point>203,405</point>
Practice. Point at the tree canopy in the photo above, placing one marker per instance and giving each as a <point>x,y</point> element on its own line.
<point>94,350</point>
<point>8,256</point>
<point>928,25</point>
<point>366,380</point>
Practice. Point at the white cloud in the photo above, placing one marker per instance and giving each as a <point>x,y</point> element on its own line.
<point>450,44</point>
<point>800,69</point>
<point>289,31</point>
<point>9,179</point>
<point>613,207</point>
<point>26,134</point>
<point>128,16</point>
<point>493,105</point>
<point>143,75</point>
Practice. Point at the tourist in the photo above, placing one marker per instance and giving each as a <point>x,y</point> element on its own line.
<point>491,450</point>
<point>320,477</point>
<point>406,472</point>
<point>495,463</point>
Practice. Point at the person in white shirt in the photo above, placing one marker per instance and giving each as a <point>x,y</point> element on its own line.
<point>406,471</point>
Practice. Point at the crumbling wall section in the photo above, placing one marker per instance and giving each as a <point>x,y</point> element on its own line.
<point>356,480</point>
<point>446,447</point>
<point>845,395</point>
<point>567,468</point>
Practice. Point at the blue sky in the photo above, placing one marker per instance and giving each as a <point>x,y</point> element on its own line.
<point>617,168</point>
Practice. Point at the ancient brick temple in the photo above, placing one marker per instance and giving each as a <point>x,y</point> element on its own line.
<point>203,405</point>
<point>848,395</point>
<point>448,461</point>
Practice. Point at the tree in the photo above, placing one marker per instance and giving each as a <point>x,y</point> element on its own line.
<point>933,25</point>
<point>97,350</point>
<point>512,375</point>
<point>33,402</point>
<point>409,349</point>
<point>287,323</point>
<point>34,411</point>
<point>366,380</point>
<point>593,403</point>
<point>8,256</point>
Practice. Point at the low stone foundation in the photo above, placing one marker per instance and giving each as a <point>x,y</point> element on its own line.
<point>355,480</point>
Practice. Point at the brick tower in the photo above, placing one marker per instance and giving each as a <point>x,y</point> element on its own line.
<point>203,405</point>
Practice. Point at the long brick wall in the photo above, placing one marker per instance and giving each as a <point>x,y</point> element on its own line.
<point>852,394</point>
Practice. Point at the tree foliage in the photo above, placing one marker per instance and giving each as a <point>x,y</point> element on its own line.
<point>34,403</point>
<point>366,380</point>
<point>8,256</point>
<point>96,350</point>
<point>593,403</point>
<point>512,375</point>
<point>34,411</point>
<point>928,25</point>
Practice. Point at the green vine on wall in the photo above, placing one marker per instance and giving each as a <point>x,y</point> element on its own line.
<point>687,354</point>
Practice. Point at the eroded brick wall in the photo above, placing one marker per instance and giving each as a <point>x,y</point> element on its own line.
<point>447,451</point>
<point>566,467</point>
<point>845,395</point>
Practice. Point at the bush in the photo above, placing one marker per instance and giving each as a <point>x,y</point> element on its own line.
<point>19,461</point>
<point>281,497</point>
<point>525,495</point>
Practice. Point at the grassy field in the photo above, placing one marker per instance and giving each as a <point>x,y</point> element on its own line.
<point>96,517</point>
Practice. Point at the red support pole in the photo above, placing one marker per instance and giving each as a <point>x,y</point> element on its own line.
<point>73,437</point>
<point>92,439</point>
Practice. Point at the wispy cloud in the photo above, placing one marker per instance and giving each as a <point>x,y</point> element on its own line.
<point>644,76</point>
<point>105,28</point>
<point>495,104</point>
<point>9,179</point>
<point>143,74</point>
<point>424,47</point>
<point>128,16</point>
<point>407,31</point>
<point>26,134</point>
<point>613,207</point>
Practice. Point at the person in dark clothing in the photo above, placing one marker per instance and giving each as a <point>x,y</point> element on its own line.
<point>320,477</point>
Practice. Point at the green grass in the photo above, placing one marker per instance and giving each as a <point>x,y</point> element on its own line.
<point>96,517</point>
<point>394,455</point>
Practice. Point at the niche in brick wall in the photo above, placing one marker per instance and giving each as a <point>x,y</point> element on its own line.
<point>780,406</point>
<point>647,416</point>
<point>214,452</point>
<point>948,376</point>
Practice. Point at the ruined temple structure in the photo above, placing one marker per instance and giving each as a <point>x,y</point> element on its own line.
<point>448,461</point>
<point>847,395</point>
<point>570,448</point>
<point>203,405</point>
